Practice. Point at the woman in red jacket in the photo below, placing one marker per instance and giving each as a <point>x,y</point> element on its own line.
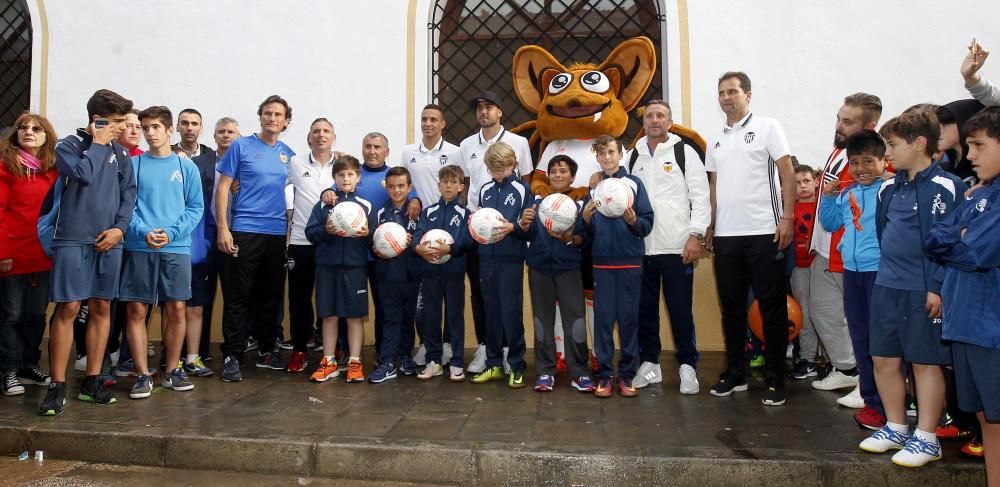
<point>27,172</point>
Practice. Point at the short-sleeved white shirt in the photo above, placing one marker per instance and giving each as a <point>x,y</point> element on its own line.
<point>747,189</point>
<point>582,152</point>
<point>424,164</point>
<point>473,148</point>
<point>307,178</point>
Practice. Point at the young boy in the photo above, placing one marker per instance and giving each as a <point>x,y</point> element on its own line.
<point>501,266</point>
<point>906,297</point>
<point>966,242</point>
<point>157,263</point>
<point>443,284</point>
<point>94,213</point>
<point>618,251</point>
<point>854,210</point>
<point>341,274</point>
<point>554,276</point>
<point>395,282</point>
<point>806,185</point>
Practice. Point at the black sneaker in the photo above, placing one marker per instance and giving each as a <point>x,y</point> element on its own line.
<point>92,390</point>
<point>774,395</point>
<point>12,386</point>
<point>728,384</point>
<point>250,345</point>
<point>803,369</point>
<point>34,376</point>
<point>55,400</point>
<point>231,369</point>
<point>271,360</point>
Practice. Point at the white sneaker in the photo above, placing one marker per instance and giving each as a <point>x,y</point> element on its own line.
<point>689,380</point>
<point>852,400</point>
<point>835,380</point>
<point>648,373</point>
<point>432,369</point>
<point>456,374</point>
<point>478,363</point>
<point>506,366</point>
<point>420,358</point>
<point>919,451</point>
<point>884,440</point>
<point>81,364</point>
<point>446,353</point>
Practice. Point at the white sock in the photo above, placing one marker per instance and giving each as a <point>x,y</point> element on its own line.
<point>898,428</point>
<point>191,357</point>
<point>355,359</point>
<point>923,435</point>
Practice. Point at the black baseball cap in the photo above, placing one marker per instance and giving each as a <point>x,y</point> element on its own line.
<point>487,96</point>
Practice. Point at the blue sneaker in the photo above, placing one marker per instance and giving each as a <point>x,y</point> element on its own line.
<point>143,387</point>
<point>177,380</point>
<point>271,360</point>
<point>198,368</point>
<point>231,370</point>
<point>409,367</point>
<point>127,369</point>
<point>384,372</point>
<point>583,384</point>
<point>545,383</point>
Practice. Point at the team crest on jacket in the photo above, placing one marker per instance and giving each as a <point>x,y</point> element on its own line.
<point>748,137</point>
<point>668,166</point>
<point>283,157</point>
<point>509,200</point>
<point>455,221</point>
<point>443,160</point>
<point>981,205</point>
<point>939,206</point>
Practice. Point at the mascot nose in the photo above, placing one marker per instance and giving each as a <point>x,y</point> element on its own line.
<point>573,103</point>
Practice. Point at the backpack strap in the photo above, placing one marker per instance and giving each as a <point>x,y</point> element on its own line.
<point>632,158</point>
<point>679,155</point>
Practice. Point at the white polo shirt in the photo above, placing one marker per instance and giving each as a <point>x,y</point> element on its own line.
<point>582,152</point>
<point>424,164</point>
<point>747,189</point>
<point>307,178</point>
<point>472,151</point>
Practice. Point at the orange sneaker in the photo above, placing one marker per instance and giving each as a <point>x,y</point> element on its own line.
<point>325,372</point>
<point>355,372</point>
<point>973,449</point>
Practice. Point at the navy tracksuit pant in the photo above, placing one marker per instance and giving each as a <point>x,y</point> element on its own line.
<point>503,298</point>
<point>399,301</point>
<point>450,292</point>
<point>857,308</point>
<point>616,299</point>
<point>677,279</point>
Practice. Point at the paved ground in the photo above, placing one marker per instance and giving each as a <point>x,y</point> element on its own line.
<point>438,431</point>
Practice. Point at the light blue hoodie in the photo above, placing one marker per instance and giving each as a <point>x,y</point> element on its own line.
<point>169,198</point>
<point>859,247</point>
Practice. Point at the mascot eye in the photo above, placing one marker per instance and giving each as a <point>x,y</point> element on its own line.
<point>595,81</point>
<point>559,83</point>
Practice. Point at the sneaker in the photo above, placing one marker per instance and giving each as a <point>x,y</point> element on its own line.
<point>883,440</point>
<point>355,371</point>
<point>515,380</point>
<point>911,406</point>
<point>177,380</point>
<point>231,369</point>
<point>143,387</point>
<point>198,368</point>
<point>506,366</point>
<point>869,418</point>
<point>917,452</point>
<point>271,360</point>
<point>803,369</point>
<point>279,344</point>
<point>446,353</point>
<point>492,373</point>
<point>382,373</point>
<point>648,373</point>
<point>583,384</point>
<point>757,361</point>
<point>81,364</point>
<point>108,380</point>
<point>342,356</point>
<point>55,400</point>
<point>603,389</point>
<point>409,367</point>
<point>728,384</point>
<point>478,363</point>
<point>432,369</point>
<point>852,400</point>
<point>251,345</point>
<point>127,369</point>
<point>952,432</point>
<point>835,380</point>
<point>34,376</point>
<point>774,395</point>
<point>456,374</point>
<point>298,362</point>
<point>11,385</point>
<point>326,371</point>
<point>92,390</point>
<point>689,380</point>
<point>421,356</point>
<point>545,383</point>
<point>973,449</point>
<point>625,387</point>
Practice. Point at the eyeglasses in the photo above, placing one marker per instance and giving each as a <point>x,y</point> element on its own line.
<point>33,128</point>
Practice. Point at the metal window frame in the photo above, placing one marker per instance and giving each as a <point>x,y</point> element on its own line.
<point>15,61</point>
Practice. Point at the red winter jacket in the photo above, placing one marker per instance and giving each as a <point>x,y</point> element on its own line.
<point>20,202</point>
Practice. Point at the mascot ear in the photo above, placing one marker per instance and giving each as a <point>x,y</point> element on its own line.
<point>533,68</point>
<point>632,65</point>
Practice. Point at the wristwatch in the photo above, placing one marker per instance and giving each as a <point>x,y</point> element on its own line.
<point>698,235</point>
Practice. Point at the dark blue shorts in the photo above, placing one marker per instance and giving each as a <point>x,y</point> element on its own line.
<point>341,291</point>
<point>155,277</point>
<point>203,283</point>
<point>900,328</point>
<point>977,379</point>
<point>78,273</point>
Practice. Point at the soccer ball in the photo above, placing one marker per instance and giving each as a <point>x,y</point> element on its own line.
<point>483,225</point>
<point>390,239</point>
<point>558,212</point>
<point>612,197</point>
<point>435,237</point>
<point>349,217</point>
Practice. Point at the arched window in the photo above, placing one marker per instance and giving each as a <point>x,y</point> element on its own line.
<point>15,61</point>
<point>473,44</point>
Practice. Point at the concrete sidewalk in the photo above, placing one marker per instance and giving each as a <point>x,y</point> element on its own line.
<point>440,432</point>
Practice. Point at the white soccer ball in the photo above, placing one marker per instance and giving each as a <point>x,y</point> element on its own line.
<point>612,197</point>
<point>558,212</point>
<point>484,225</point>
<point>390,239</point>
<point>348,217</point>
<point>435,237</point>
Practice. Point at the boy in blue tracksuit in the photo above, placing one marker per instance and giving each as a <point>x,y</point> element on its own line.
<point>554,276</point>
<point>906,298</point>
<point>501,266</point>
<point>341,273</point>
<point>967,243</point>
<point>618,251</point>
<point>157,263</point>
<point>443,283</point>
<point>395,283</point>
<point>854,210</point>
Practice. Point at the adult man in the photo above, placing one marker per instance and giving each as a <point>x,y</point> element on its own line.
<point>752,228</point>
<point>472,150</point>
<point>189,127</point>
<point>826,289</point>
<point>423,159</point>
<point>678,192</point>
